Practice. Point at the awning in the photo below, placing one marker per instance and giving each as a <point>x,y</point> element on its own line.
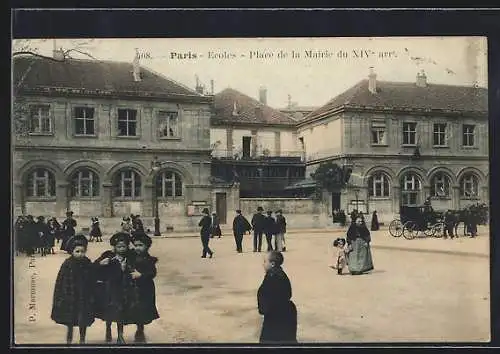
<point>306,183</point>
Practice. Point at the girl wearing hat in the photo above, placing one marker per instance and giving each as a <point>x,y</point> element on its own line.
<point>145,269</point>
<point>72,301</point>
<point>116,292</point>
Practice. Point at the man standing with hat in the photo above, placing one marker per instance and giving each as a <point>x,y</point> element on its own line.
<point>280,231</point>
<point>205,223</point>
<point>240,227</point>
<point>258,224</point>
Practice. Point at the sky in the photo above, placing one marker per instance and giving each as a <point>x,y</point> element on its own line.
<point>310,80</point>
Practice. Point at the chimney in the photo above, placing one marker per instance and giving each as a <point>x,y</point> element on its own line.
<point>263,95</point>
<point>289,101</point>
<point>372,81</point>
<point>421,79</point>
<point>136,67</point>
<point>199,87</point>
<point>211,87</point>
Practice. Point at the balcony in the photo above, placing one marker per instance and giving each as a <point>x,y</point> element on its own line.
<point>287,156</point>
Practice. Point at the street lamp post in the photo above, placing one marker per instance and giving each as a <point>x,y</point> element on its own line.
<point>260,180</point>
<point>155,167</point>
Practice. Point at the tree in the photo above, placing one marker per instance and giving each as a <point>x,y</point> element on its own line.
<point>331,177</point>
<point>30,47</point>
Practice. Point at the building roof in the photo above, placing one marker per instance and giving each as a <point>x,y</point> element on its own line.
<point>248,110</point>
<point>408,96</point>
<point>105,77</point>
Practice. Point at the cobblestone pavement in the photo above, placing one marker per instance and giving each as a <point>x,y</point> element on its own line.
<point>423,290</point>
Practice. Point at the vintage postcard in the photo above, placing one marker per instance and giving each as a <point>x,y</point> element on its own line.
<point>246,191</point>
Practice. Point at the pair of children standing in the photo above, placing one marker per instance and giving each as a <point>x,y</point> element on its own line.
<point>341,254</point>
<point>117,287</point>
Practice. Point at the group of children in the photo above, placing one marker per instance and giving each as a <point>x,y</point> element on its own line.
<point>118,287</point>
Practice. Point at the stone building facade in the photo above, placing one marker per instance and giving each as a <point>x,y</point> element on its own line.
<point>92,132</point>
<point>405,142</point>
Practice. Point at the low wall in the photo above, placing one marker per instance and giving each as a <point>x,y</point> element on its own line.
<point>299,212</point>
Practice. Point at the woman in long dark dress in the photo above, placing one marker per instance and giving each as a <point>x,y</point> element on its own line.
<point>274,302</point>
<point>117,295</point>
<point>359,258</point>
<point>375,225</point>
<point>143,275</point>
<point>72,303</point>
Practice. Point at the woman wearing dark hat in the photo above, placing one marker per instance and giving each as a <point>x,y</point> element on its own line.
<point>72,303</point>
<point>116,294</point>
<point>68,229</point>
<point>143,275</point>
<point>205,223</point>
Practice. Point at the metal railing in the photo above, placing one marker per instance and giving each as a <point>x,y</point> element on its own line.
<point>261,154</point>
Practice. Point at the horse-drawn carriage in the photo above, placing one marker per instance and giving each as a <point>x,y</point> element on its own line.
<point>413,220</point>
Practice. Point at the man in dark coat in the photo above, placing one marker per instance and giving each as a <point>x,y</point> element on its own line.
<point>205,224</point>
<point>68,231</point>
<point>375,225</point>
<point>354,215</point>
<point>269,230</point>
<point>279,238</point>
<point>274,302</point>
<point>449,224</point>
<point>31,236</point>
<point>258,224</point>
<point>43,233</point>
<point>240,227</point>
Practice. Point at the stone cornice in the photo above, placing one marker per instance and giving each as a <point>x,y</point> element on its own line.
<point>79,148</point>
<point>397,157</point>
<point>215,123</point>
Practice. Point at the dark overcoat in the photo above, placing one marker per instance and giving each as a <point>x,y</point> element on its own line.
<point>68,231</point>
<point>280,313</point>
<point>116,293</point>
<point>240,225</point>
<point>95,230</point>
<point>72,303</point>
<point>375,225</point>
<point>146,310</point>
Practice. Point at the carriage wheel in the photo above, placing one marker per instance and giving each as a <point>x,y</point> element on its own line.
<point>410,230</point>
<point>429,230</point>
<point>396,228</point>
<point>438,229</point>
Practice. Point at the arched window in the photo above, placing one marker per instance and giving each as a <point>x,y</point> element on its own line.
<point>378,185</point>
<point>41,183</point>
<point>127,183</point>
<point>84,183</point>
<point>469,186</point>
<point>168,184</point>
<point>410,189</point>
<point>440,185</point>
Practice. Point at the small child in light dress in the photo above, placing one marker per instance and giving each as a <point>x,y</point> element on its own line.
<point>341,254</point>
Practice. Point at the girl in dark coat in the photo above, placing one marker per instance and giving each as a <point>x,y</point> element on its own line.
<point>273,298</point>
<point>43,236</point>
<point>68,230</point>
<point>51,237</point>
<point>72,302</point>
<point>143,275</point>
<point>95,230</point>
<point>375,225</point>
<point>117,295</point>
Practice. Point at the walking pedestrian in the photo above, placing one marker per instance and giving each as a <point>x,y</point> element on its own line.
<point>240,227</point>
<point>205,224</point>
<point>375,225</point>
<point>359,259</point>
<point>280,231</point>
<point>269,229</point>
<point>258,222</point>
<point>275,304</point>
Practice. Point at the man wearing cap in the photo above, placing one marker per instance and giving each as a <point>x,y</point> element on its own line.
<point>258,224</point>
<point>205,223</point>
<point>240,227</point>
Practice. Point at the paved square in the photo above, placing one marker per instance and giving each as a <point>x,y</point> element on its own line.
<point>412,295</point>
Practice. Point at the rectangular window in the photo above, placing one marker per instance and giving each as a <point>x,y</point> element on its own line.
<point>127,122</point>
<point>439,136</point>
<point>409,133</point>
<point>468,135</point>
<point>40,121</point>
<point>168,126</point>
<point>379,133</point>
<point>84,120</point>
